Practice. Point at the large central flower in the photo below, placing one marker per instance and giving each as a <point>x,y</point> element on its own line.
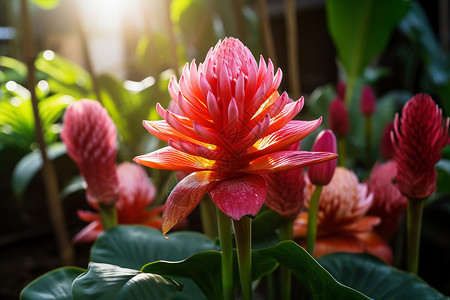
<point>231,126</point>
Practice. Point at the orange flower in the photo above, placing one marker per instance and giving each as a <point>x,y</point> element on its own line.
<point>342,223</point>
<point>136,194</point>
<point>234,126</point>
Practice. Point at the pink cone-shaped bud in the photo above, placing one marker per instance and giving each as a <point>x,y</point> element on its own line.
<point>386,149</point>
<point>339,118</point>
<point>90,137</point>
<point>368,104</point>
<point>322,173</point>
<point>340,90</point>
<point>285,190</point>
<point>388,203</point>
<point>418,137</point>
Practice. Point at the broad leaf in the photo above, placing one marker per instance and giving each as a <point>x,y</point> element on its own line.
<point>109,282</point>
<point>377,280</point>
<point>54,285</point>
<point>30,164</point>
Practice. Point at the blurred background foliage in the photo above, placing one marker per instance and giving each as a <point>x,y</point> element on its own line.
<point>123,53</point>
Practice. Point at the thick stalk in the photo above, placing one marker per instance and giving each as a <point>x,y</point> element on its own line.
<point>227,254</point>
<point>290,12</point>
<point>54,206</point>
<point>413,227</point>
<point>108,215</point>
<point>208,217</point>
<point>286,233</point>
<point>312,220</point>
<point>243,236</point>
<point>342,150</point>
<point>368,129</point>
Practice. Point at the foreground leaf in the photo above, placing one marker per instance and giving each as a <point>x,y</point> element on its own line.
<point>376,279</point>
<point>54,285</point>
<point>109,282</point>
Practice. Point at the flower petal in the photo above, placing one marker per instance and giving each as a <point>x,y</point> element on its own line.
<point>168,158</point>
<point>240,196</point>
<point>186,195</point>
<point>285,160</point>
<point>89,233</point>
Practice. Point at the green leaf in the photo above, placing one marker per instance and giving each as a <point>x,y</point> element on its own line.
<point>75,184</point>
<point>134,246</point>
<point>310,273</point>
<point>205,269</point>
<point>376,279</point>
<point>54,285</point>
<point>109,282</point>
<point>360,30</point>
<point>19,69</point>
<point>30,164</point>
<point>46,4</point>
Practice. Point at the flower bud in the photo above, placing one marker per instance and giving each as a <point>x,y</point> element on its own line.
<point>367,101</point>
<point>339,119</point>
<point>322,173</point>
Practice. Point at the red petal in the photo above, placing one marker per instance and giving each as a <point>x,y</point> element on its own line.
<point>285,160</point>
<point>168,158</point>
<point>241,196</point>
<point>186,195</point>
<point>89,233</point>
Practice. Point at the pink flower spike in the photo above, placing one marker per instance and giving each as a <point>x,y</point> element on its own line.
<point>90,137</point>
<point>367,101</point>
<point>339,118</point>
<point>322,173</point>
<point>418,137</point>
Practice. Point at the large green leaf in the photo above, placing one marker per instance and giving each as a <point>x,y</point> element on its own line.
<point>360,30</point>
<point>376,279</point>
<point>205,269</point>
<point>109,282</point>
<point>30,164</point>
<point>54,285</point>
<point>134,246</point>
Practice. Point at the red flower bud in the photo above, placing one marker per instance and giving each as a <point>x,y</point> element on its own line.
<point>322,173</point>
<point>340,89</point>
<point>90,137</point>
<point>418,137</point>
<point>339,119</point>
<point>367,101</point>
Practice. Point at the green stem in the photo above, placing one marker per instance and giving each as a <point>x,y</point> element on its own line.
<point>270,287</point>
<point>413,226</point>
<point>286,233</point>
<point>243,236</point>
<point>227,254</point>
<point>207,214</point>
<point>312,220</point>
<point>342,149</point>
<point>108,215</point>
<point>368,128</point>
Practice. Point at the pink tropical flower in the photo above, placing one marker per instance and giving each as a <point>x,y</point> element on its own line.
<point>285,190</point>
<point>388,203</point>
<point>367,103</point>
<point>90,137</point>
<point>136,195</point>
<point>418,137</point>
<point>321,174</point>
<point>234,127</point>
<point>343,223</point>
<point>339,118</point>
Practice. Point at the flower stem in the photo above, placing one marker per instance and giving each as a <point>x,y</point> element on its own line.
<point>342,151</point>
<point>368,129</point>
<point>243,235</point>
<point>312,220</point>
<point>413,227</point>
<point>286,233</point>
<point>227,254</point>
<point>209,222</point>
<point>108,215</point>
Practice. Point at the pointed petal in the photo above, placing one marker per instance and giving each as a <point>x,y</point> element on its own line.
<point>285,160</point>
<point>186,195</point>
<point>88,233</point>
<point>168,158</point>
<point>240,196</point>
